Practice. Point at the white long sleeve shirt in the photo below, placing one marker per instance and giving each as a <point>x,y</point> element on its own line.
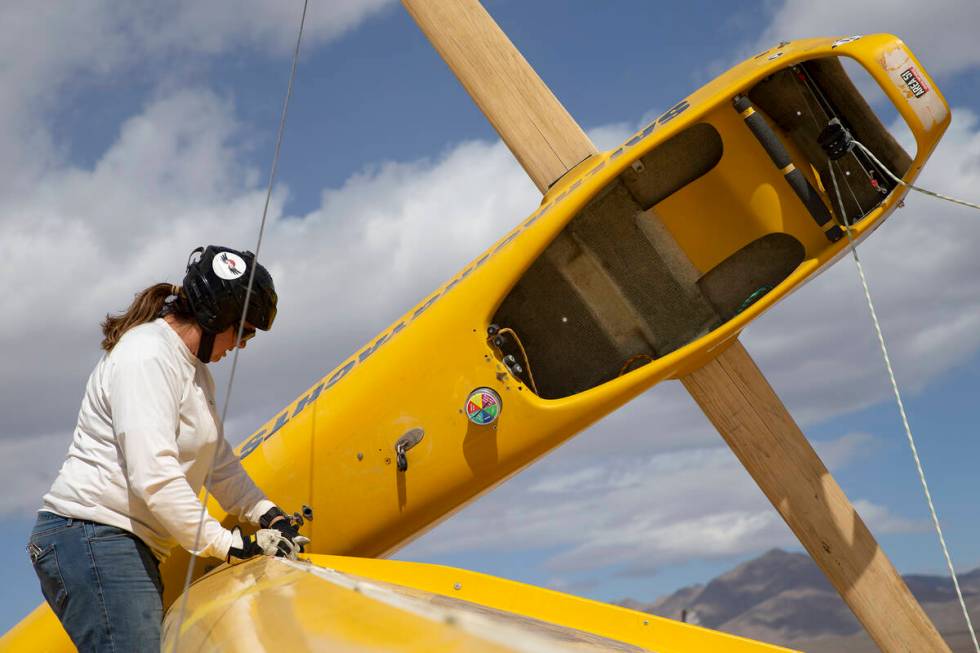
<point>147,430</point>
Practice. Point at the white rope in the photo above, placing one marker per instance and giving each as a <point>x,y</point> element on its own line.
<point>241,324</point>
<point>901,408</point>
<point>888,172</point>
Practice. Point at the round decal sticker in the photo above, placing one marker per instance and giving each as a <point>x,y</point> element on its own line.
<point>228,265</point>
<point>483,406</point>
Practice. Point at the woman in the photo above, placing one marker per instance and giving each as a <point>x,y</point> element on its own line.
<point>146,436</point>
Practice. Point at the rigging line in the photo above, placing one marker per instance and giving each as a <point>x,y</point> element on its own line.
<point>241,323</point>
<point>802,87</point>
<point>862,166</point>
<point>809,84</point>
<point>827,110</point>
<point>827,107</point>
<point>901,410</point>
<point>850,189</point>
<point>888,172</point>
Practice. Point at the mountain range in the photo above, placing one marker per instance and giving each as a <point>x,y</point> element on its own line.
<point>784,598</point>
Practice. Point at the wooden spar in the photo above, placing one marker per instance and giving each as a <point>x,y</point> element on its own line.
<point>730,389</point>
<point>544,138</point>
<point>734,394</point>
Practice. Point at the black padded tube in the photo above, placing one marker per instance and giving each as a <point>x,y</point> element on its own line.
<point>808,195</point>
<point>768,139</point>
<point>780,157</point>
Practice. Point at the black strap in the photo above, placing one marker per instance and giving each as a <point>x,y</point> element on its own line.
<point>271,514</point>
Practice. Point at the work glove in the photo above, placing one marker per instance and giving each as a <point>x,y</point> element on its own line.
<point>266,541</point>
<point>276,519</point>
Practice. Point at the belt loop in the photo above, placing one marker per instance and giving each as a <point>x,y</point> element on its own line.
<point>70,521</point>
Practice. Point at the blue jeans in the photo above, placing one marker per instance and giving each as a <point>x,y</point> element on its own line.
<point>102,582</point>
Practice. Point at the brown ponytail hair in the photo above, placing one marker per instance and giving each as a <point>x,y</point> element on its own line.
<point>146,307</point>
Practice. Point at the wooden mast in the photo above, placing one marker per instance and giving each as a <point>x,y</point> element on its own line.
<point>731,390</point>
<point>544,138</point>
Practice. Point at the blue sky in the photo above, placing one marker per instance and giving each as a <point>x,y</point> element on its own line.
<point>127,136</point>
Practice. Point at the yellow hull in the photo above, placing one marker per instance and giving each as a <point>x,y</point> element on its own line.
<point>357,604</point>
<point>333,449</point>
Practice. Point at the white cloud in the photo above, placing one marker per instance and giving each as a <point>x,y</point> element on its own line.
<point>639,512</point>
<point>101,38</point>
<point>50,47</point>
<point>845,449</point>
<point>588,477</point>
<point>87,239</point>
<point>943,35</point>
<point>21,472</point>
<point>218,26</point>
<point>882,521</point>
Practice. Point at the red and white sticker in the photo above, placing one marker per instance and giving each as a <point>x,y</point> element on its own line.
<point>228,265</point>
<point>914,81</point>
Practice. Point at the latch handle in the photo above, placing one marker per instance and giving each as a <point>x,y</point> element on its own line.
<point>403,444</point>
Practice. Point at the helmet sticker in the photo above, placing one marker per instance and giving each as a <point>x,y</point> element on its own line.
<point>483,406</point>
<point>228,265</point>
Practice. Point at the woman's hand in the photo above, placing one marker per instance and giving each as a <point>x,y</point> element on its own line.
<point>277,519</point>
<point>266,541</point>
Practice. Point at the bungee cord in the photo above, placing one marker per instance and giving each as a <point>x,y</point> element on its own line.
<point>881,166</point>
<point>898,396</point>
<point>241,324</point>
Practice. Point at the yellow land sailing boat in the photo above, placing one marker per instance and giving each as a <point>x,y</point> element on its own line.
<point>640,264</point>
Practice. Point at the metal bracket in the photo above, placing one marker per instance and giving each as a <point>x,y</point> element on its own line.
<point>404,443</point>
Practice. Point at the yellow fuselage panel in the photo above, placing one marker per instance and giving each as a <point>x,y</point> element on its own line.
<point>356,604</point>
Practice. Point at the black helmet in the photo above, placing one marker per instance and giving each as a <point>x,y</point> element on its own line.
<point>215,285</point>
